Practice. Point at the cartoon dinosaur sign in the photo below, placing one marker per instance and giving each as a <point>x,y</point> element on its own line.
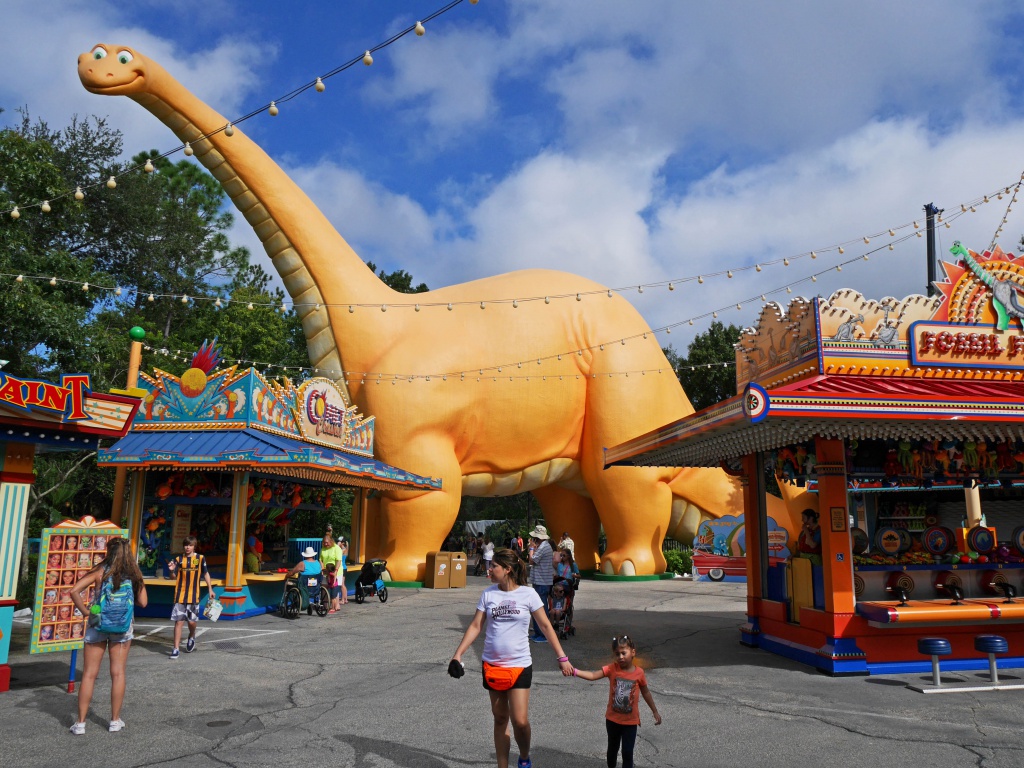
<point>483,435</point>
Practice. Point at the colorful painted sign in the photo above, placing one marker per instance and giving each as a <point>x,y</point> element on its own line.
<point>726,536</point>
<point>67,552</point>
<point>324,418</point>
<point>66,400</point>
<point>959,346</point>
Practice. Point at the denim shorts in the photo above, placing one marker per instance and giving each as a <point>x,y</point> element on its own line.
<point>93,635</point>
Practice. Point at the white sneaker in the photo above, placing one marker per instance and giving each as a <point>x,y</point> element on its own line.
<point>78,729</point>
<point>115,725</point>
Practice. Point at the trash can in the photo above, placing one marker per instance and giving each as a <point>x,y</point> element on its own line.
<point>437,572</point>
<point>457,578</point>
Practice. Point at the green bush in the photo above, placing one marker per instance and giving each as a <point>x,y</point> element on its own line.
<point>679,561</point>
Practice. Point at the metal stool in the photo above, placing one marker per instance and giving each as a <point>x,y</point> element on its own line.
<point>935,647</point>
<point>991,644</point>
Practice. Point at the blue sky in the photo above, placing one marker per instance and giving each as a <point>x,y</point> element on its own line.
<point>630,143</point>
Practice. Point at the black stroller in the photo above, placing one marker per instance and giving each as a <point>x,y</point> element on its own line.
<point>370,582</point>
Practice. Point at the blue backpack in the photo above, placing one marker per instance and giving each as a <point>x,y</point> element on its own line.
<point>116,607</point>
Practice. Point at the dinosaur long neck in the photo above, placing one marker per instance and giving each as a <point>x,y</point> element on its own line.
<point>975,267</point>
<point>302,244</point>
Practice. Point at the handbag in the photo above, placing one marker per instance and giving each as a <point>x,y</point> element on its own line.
<point>501,678</point>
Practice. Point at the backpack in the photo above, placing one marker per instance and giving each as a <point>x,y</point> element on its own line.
<point>116,607</point>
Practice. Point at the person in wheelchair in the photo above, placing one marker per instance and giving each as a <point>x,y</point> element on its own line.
<point>309,575</point>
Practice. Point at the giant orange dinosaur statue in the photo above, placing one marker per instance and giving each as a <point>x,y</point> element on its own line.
<point>482,435</point>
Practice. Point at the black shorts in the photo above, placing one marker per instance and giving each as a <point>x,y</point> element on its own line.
<point>525,679</point>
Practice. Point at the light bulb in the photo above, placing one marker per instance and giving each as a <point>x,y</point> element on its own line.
<point>714,315</point>
<point>53,281</point>
<point>419,28</point>
<point>839,267</point>
<point>188,149</point>
<point>383,307</point>
<point>250,306</point>
<point>785,262</point>
<point>19,279</point>
<point>481,305</point>
<point>367,59</point>
<point>515,304</point>
<point>729,273</point>
<point>609,293</point>
<point>15,214</point>
<point>229,130</point>
<point>841,251</point>
<point>416,308</point>
<point>547,299</point>
<point>700,279</point>
<point>639,289</point>
<point>757,267</point>
<point>890,246</point>
<point>151,298</point>
<point>117,291</point>
<point>580,298</point>
<point>892,233</point>
<point>866,239</point>
<point>184,299</point>
<point>79,194</point>
<point>671,287</point>
<point>85,287</point>
<point>450,307</point>
<point>351,309</point>
<point>45,207</point>
<point>320,87</point>
<point>111,182</point>
<point>814,255</point>
<point>217,303</point>
<point>273,110</point>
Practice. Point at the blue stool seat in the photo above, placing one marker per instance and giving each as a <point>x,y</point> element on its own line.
<point>935,646</point>
<point>991,644</point>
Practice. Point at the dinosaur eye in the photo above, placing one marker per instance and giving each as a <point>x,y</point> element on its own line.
<point>124,56</point>
<point>99,52</point>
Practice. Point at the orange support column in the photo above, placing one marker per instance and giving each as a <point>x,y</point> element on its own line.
<point>836,557</point>
<point>233,576</point>
<point>136,497</point>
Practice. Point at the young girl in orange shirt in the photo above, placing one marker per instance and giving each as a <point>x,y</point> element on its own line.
<point>626,684</point>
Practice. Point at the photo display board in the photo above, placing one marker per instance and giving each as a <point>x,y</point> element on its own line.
<point>67,552</point>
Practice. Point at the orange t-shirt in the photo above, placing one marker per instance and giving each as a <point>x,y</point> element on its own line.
<point>624,694</point>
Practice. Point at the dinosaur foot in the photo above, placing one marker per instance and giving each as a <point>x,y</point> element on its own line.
<point>632,561</point>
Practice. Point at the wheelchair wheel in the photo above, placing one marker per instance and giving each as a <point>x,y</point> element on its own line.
<point>382,594</point>
<point>292,604</point>
<point>359,594</point>
<point>324,603</point>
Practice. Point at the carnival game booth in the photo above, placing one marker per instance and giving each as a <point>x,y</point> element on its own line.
<point>216,452</point>
<point>902,424</point>
<point>36,417</point>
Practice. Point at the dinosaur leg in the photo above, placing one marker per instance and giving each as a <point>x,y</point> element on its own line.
<point>565,510</point>
<point>635,506</point>
<point>412,524</point>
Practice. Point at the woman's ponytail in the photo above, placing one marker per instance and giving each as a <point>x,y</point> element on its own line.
<point>510,561</point>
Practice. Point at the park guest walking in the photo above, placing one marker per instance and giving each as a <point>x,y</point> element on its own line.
<point>626,684</point>
<point>542,573</point>
<point>188,568</point>
<point>118,568</point>
<point>504,613</point>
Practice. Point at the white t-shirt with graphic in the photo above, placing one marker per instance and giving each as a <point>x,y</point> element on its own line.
<point>507,625</point>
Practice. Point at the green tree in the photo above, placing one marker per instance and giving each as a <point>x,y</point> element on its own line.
<point>701,372</point>
<point>399,280</point>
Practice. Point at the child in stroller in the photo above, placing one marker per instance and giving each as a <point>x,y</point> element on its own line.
<point>559,608</point>
<point>369,582</point>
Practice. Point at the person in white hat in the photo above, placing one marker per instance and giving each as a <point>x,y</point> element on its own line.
<point>310,566</point>
<point>542,574</point>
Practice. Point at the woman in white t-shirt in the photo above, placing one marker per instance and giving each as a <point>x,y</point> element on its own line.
<point>504,613</point>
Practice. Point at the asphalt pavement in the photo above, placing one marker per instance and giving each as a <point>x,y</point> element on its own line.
<point>368,688</point>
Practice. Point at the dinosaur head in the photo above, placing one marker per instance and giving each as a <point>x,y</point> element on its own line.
<point>113,70</point>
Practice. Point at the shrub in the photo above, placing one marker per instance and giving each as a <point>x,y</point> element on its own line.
<point>679,561</point>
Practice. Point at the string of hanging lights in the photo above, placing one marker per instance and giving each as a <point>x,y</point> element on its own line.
<point>914,229</point>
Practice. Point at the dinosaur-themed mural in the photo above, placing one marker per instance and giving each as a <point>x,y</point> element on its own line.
<point>481,435</point>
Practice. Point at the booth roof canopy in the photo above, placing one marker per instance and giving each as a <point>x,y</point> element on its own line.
<point>839,407</point>
<point>253,449</point>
